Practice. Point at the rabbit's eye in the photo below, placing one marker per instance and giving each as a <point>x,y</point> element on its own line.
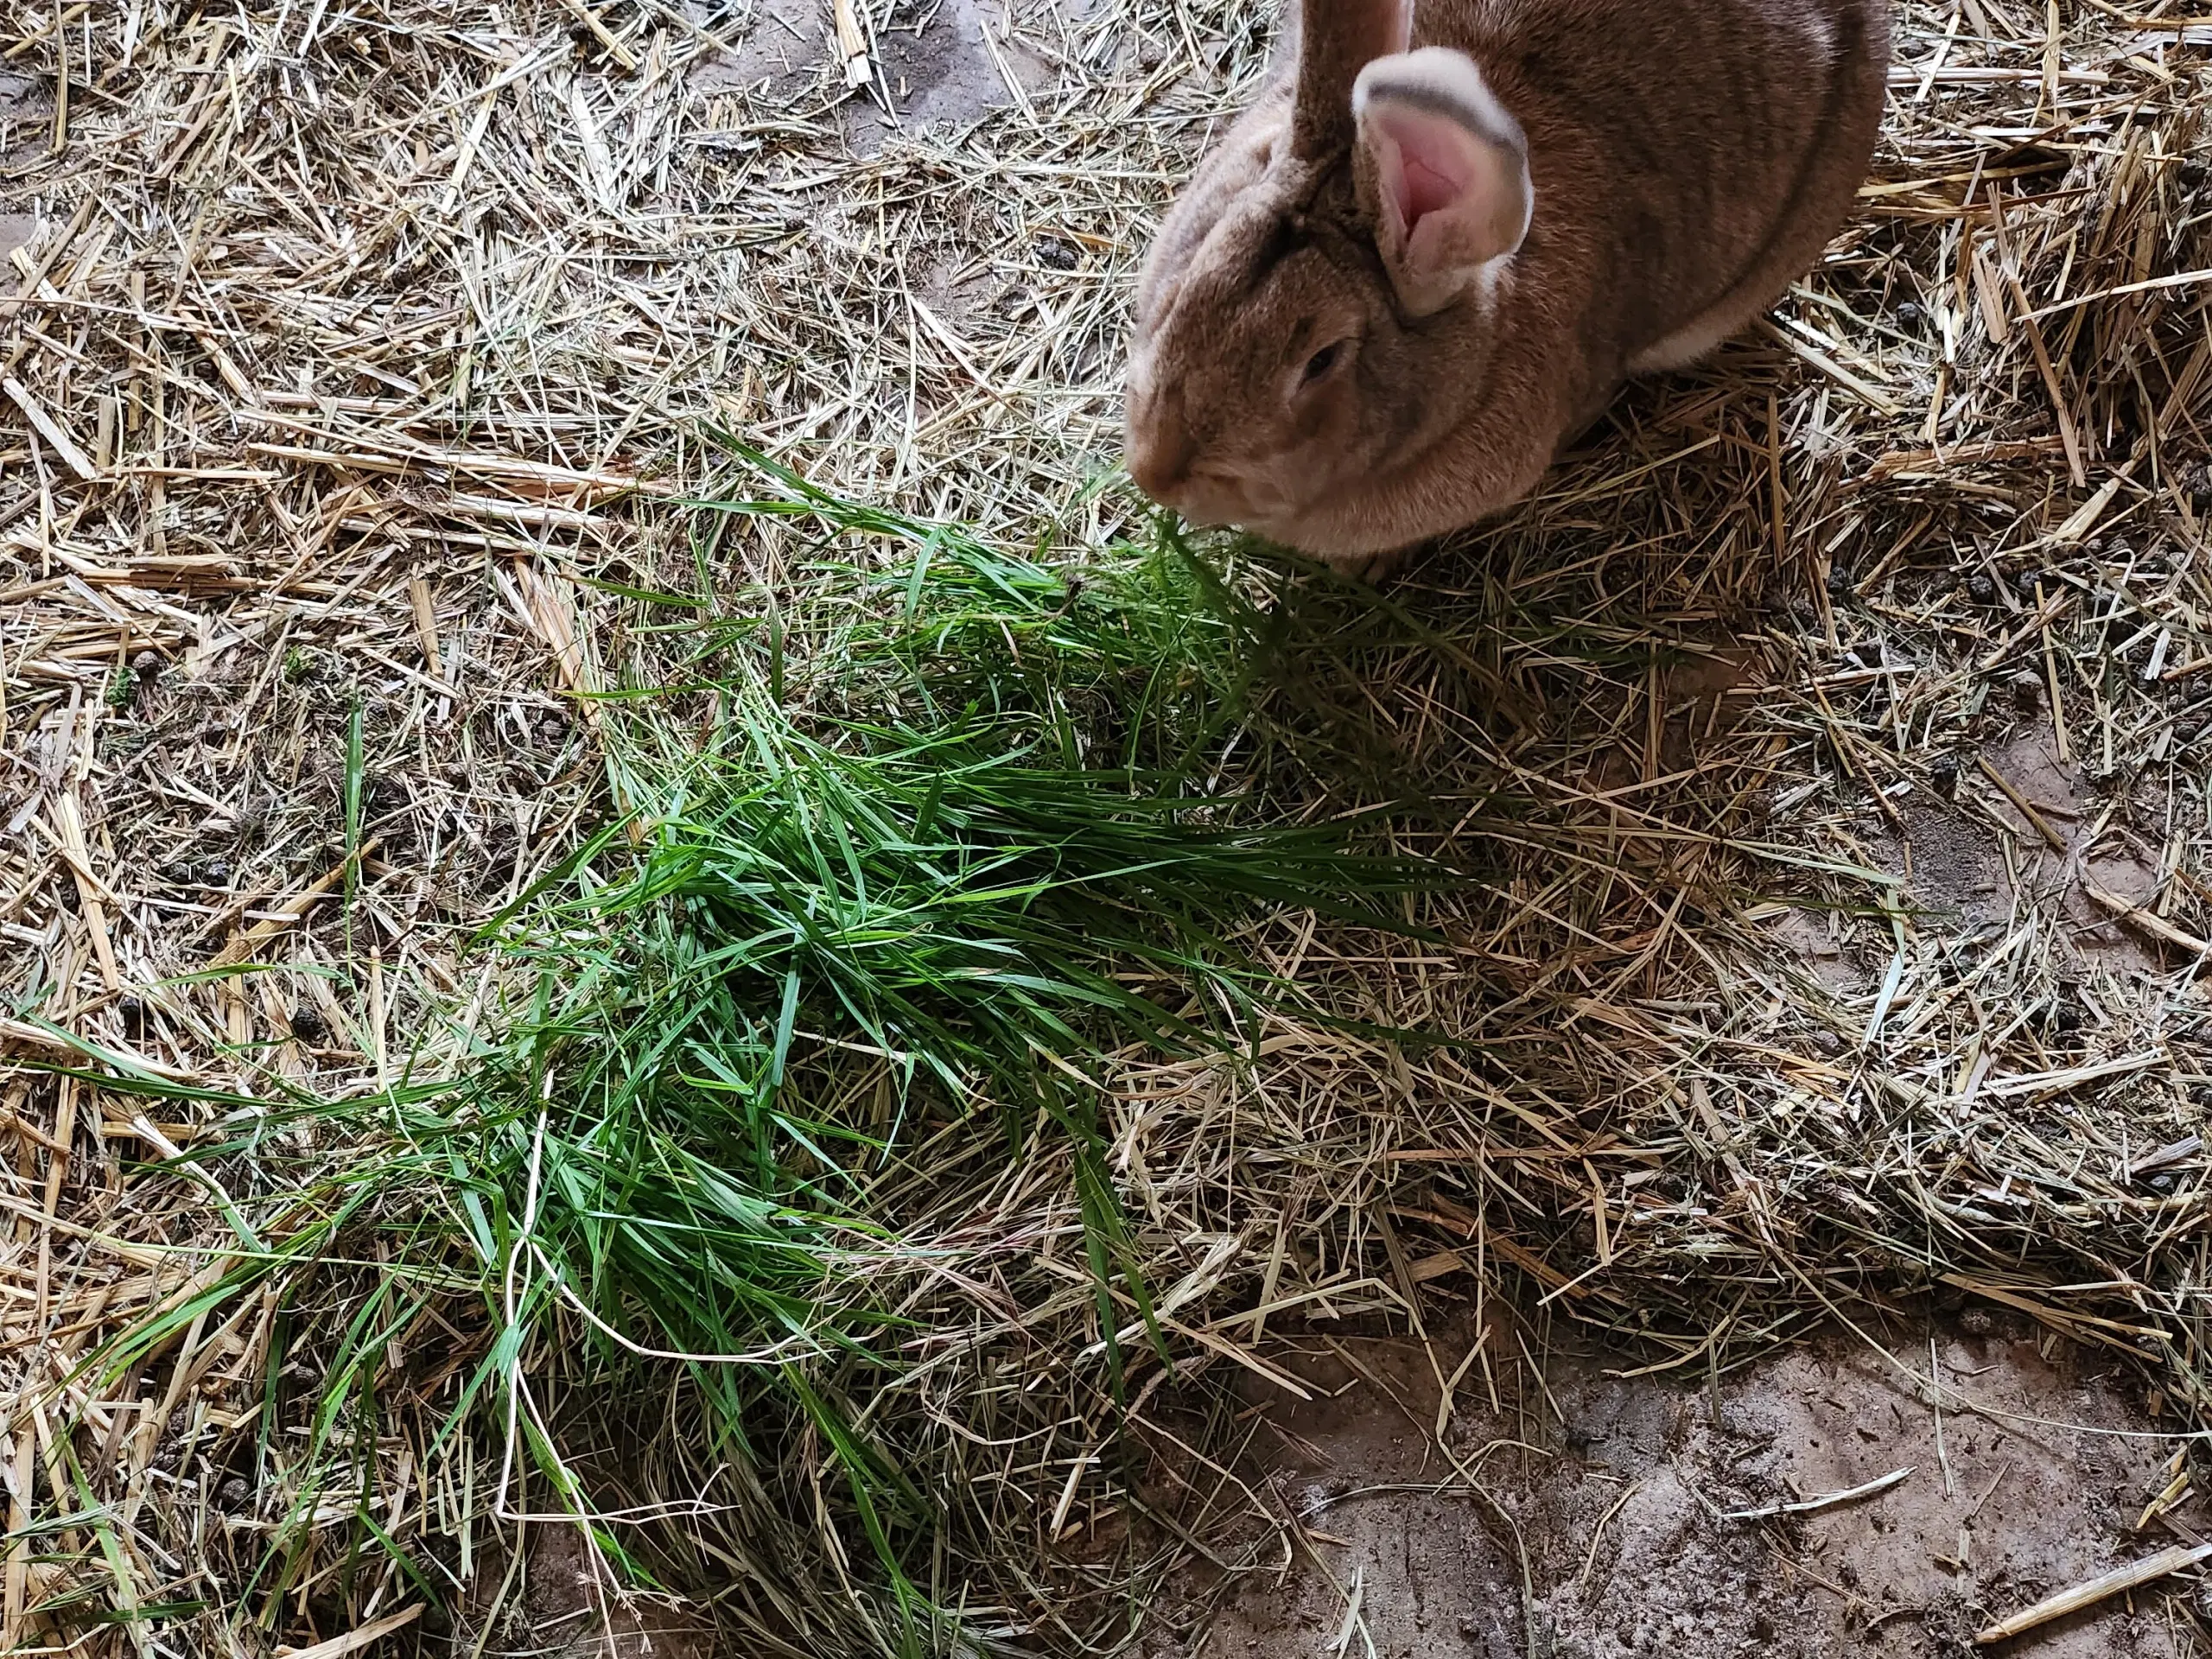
<point>1323,360</point>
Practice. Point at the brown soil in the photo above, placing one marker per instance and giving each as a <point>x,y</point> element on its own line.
<point>1384,1550</point>
<point>26,129</point>
<point>560,1606</point>
<point>930,65</point>
<point>1958,866</point>
<point>1964,873</point>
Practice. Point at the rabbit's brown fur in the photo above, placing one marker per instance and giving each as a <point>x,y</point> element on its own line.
<point>1343,339</point>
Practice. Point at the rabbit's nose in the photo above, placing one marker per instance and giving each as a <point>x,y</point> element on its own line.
<point>1160,458</point>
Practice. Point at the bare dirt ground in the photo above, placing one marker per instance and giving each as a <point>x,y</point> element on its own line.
<point>944,66</point>
<point>565,1613</point>
<point>1619,1496</point>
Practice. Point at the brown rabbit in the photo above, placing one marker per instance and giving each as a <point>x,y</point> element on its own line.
<point>1409,274</point>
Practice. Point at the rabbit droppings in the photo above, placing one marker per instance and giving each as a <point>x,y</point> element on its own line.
<point>1410,273</point>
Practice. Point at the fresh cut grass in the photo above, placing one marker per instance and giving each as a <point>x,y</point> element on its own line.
<point>944,845</point>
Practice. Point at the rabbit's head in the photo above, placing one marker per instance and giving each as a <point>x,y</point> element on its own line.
<point>1319,307</point>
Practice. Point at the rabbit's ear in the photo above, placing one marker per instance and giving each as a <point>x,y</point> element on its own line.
<point>1336,40</point>
<point>1442,168</point>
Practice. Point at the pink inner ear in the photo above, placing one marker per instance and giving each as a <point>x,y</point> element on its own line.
<point>1433,165</point>
<point>1423,190</point>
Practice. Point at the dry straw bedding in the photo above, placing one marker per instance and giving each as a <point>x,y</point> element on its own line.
<point>1828,742</point>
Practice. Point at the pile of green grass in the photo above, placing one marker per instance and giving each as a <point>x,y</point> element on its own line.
<point>939,844</point>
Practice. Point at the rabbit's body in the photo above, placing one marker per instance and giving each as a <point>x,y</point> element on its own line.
<point>1407,276</point>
